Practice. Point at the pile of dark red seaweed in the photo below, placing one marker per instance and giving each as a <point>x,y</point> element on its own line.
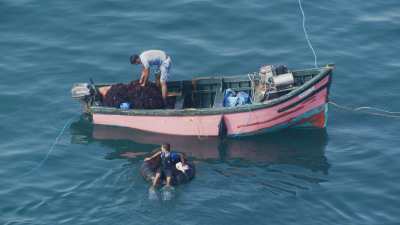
<point>147,97</point>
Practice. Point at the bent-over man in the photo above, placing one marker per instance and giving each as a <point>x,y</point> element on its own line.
<point>154,58</point>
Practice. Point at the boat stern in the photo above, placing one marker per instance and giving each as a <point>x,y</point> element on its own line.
<point>84,94</point>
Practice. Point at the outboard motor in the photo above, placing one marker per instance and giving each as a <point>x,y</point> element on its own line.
<point>84,93</point>
<point>80,91</point>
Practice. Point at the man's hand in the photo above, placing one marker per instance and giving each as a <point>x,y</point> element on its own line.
<point>141,80</point>
<point>147,159</point>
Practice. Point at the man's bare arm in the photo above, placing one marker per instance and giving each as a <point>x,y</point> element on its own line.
<point>153,156</point>
<point>145,76</point>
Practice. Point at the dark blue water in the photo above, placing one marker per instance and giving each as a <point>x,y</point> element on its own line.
<point>346,174</point>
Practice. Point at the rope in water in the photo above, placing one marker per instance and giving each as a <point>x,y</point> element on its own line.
<point>380,112</point>
<point>51,148</point>
<point>306,35</point>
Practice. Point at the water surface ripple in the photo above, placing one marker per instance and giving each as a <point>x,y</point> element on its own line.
<point>346,174</point>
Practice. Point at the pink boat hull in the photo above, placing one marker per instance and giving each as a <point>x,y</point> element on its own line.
<point>308,109</point>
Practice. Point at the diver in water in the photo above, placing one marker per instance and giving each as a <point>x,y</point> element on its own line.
<point>168,160</point>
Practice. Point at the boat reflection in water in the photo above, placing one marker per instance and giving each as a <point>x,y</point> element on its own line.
<point>299,147</point>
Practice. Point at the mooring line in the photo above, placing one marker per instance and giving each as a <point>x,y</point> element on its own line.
<point>50,149</point>
<point>381,112</point>
<point>362,109</point>
<point>306,35</point>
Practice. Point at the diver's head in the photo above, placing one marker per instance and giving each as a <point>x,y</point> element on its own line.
<point>166,147</point>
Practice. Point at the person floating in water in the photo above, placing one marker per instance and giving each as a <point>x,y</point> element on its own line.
<point>168,160</point>
<point>154,58</point>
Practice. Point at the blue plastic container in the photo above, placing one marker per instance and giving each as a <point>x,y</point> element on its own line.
<point>125,106</point>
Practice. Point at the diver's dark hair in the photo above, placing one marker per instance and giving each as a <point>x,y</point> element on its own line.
<point>166,146</point>
<point>133,58</point>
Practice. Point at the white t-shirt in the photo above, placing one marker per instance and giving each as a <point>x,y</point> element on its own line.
<point>152,58</point>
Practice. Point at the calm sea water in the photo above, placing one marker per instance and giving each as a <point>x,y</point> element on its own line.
<point>346,174</point>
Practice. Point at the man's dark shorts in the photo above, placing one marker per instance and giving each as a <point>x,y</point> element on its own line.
<point>165,172</point>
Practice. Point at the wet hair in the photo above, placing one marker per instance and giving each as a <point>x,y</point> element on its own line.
<point>133,58</point>
<point>166,146</point>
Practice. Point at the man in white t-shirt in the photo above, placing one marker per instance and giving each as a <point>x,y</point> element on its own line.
<point>154,58</point>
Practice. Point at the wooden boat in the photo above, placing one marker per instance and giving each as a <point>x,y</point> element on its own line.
<point>199,112</point>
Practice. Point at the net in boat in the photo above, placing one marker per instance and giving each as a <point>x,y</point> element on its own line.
<point>138,97</point>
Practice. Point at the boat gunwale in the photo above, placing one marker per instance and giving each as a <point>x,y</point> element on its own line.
<point>324,71</point>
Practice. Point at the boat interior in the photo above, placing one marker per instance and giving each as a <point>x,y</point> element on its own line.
<point>208,92</point>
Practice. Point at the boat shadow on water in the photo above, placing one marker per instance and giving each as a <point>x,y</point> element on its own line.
<point>304,148</point>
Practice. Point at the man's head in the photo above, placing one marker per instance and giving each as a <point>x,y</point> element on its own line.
<point>166,147</point>
<point>134,59</point>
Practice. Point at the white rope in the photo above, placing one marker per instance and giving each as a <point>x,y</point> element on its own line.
<point>381,112</point>
<point>306,35</point>
<point>50,149</point>
<point>376,109</point>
